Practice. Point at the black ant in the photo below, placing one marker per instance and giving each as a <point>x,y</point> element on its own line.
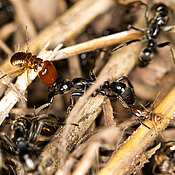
<point>46,70</point>
<point>121,88</point>
<point>24,143</point>
<point>165,158</point>
<point>154,27</point>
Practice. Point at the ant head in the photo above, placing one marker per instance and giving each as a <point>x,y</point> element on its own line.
<point>37,63</point>
<point>161,8</point>
<point>118,87</point>
<point>20,124</point>
<point>145,57</point>
<point>161,11</point>
<point>48,74</point>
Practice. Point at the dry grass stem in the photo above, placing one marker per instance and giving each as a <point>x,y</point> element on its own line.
<point>108,114</point>
<point>142,137</point>
<point>144,158</point>
<point>101,43</point>
<point>7,30</point>
<point>97,43</point>
<point>24,17</point>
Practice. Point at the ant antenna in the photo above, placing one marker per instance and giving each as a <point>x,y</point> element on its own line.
<point>27,51</point>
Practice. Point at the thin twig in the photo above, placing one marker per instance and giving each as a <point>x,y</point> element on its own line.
<point>144,158</point>
<point>102,42</point>
<point>97,43</point>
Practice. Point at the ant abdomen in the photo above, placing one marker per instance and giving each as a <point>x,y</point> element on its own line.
<point>19,58</point>
<point>145,57</point>
<point>27,60</point>
<point>126,93</point>
<point>48,74</point>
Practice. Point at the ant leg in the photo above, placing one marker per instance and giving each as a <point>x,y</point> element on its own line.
<point>124,104</point>
<point>143,123</point>
<point>28,83</point>
<point>38,131</point>
<point>74,94</point>
<point>92,75</point>
<point>36,111</point>
<point>146,12</point>
<point>6,138</point>
<point>17,72</point>
<point>126,44</point>
<point>171,49</point>
<point>41,120</point>
<point>134,28</point>
<point>168,30</point>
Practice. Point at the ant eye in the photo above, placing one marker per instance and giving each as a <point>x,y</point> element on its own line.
<point>48,74</point>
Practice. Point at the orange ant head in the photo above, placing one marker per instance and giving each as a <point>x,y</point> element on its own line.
<point>48,74</point>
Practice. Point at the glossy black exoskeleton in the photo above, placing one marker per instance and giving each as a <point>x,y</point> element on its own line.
<point>23,144</point>
<point>154,27</point>
<point>121,89</point>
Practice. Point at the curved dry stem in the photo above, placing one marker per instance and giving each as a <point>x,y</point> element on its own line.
<point>142,137</point>
<point>97,44</point>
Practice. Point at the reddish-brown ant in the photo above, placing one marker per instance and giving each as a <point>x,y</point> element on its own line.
<point>47,71</point>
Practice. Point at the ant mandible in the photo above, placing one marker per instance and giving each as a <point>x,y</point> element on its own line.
<point>154,27</point>
<point>46,70</point>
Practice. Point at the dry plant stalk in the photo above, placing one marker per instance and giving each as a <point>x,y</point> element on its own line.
<point>124,159</point>
<point>108,114</point>
<point>97,43</point>
<point>102,42</point>
<point>144,159</point>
